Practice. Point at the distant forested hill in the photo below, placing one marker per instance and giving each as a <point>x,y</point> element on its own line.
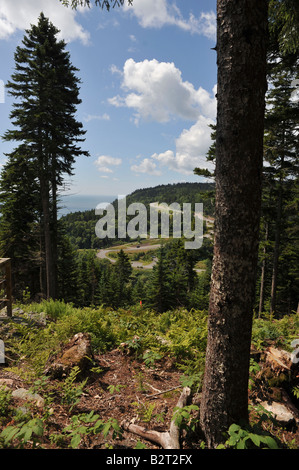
<point>179,192</point>
<point>80,226</point>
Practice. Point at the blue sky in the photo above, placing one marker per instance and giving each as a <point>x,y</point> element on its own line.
<point>148,87</point>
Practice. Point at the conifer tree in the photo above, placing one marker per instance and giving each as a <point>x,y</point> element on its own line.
<point>122,273</point>
<point>159,296</point>
<point>67,270</point>
<point>281,154</point>
<point>46,92</point>
<point>19,233</point>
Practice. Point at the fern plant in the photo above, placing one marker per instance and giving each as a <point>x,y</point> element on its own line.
<point>71,392</point>
<point>144,411</point>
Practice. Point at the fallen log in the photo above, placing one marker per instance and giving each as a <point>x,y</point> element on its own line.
<point>167,439</point>
<point>279,360</point>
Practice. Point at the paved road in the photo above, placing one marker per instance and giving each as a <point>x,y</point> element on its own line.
<point>103,254</point>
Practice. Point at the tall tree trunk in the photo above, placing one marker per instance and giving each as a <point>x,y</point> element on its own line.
<point>241,50</point>
<point>262,288</point>
<point>54,233</point>
<point>49,268</point>
<point>277,239</point>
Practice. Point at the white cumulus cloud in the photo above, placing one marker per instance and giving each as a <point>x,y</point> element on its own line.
<point>146,166</point>
<point>156,91</point>
<point>158,13</point>
<point>19,15</point>
<point>104,162</point>
<point>191,149</point>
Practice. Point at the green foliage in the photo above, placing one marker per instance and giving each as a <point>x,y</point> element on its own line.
<point>145,411</point>
<point>193,381</point>
<point>115,388</point>
<point>282,331</point>
<point>87,424</point>
<point>140,445</point>
<point>179,334</point>
<point>253,369</point>
<point>17,436</point>
<point>5,400</point>
<point>71,393</point>
<point>247,438</point>
<point>38,344</point>
<point>295,392</point>
<point>150,357</point>
<point>182,417</point>
<point>48,134</point>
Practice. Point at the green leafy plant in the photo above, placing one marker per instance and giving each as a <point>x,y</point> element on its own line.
<point>140,382</point>
<point>71,392</point>
<point>182,417</point>
<point>5,399</point>
<point>86,424</point>
<point>295,391</point>
<point>17,436</point>
<point>247,438</point>
<point>150,358</point>
<point>144,411</point>
<point>192,381</point>
<point>253,369</point>
<point>140,445</point>
<point>115,388</point>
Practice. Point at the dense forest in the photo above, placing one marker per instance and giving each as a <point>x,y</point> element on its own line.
<point>149,309</point>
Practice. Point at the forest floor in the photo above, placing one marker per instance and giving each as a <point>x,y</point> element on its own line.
<point>120,386</point>
<point>125,389</point>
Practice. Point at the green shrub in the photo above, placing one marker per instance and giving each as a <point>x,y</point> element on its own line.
<point>248,438</point>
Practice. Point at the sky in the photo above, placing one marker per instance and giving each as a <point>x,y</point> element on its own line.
<point>148,83</point>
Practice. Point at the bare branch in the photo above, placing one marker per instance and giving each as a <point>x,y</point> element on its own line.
<point>168,439</point>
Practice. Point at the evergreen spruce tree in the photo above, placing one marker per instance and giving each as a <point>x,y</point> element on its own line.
<point>281,154</point>
<point>122,273</point>
<point>159,295</point>
<point>46,92</point>
<point>19,232</point>
<point>67,270</point>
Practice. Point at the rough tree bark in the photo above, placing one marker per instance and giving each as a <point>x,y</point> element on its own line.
<point>241,59</point>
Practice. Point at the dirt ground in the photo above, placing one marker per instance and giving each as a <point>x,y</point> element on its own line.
<point>125,389</point>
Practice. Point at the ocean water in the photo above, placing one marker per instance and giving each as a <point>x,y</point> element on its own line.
<point>75,203</point>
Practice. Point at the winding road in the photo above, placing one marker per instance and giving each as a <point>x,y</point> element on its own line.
<point>103,254</point>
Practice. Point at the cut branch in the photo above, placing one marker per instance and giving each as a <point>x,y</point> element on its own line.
<point>161,392</point>
<point>168,439</point>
